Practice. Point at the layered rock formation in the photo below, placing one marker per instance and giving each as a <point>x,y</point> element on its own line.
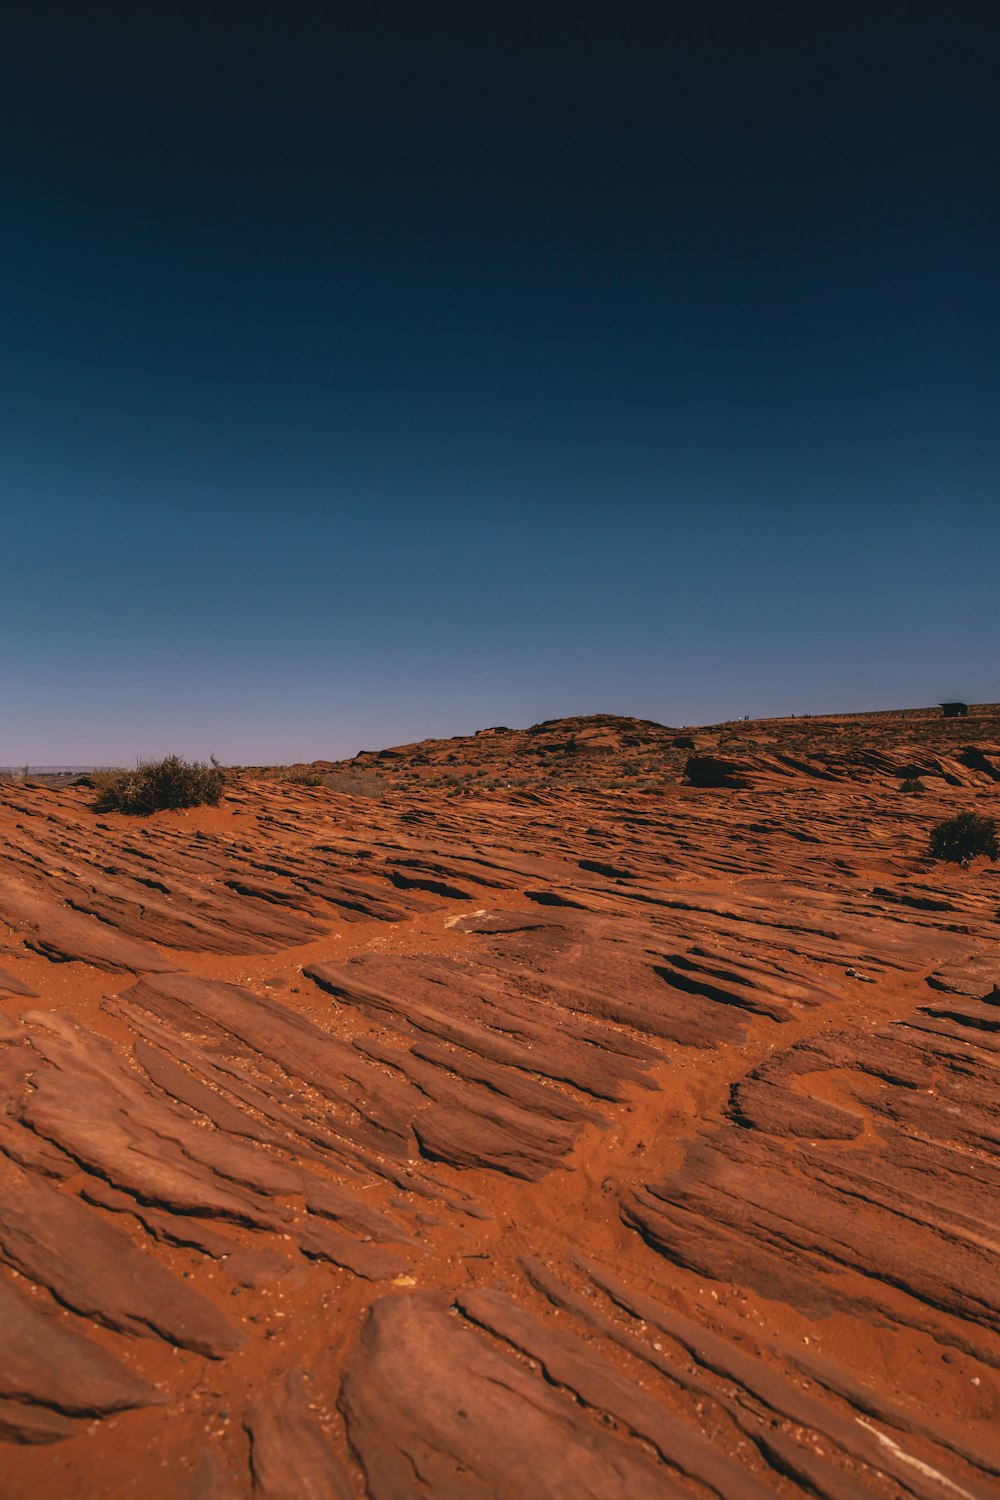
<point>618,1131</point>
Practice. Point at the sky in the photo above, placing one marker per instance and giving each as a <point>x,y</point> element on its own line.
<point>370,373</point>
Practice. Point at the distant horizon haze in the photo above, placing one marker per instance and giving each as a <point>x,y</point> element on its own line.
<point>382,375</point>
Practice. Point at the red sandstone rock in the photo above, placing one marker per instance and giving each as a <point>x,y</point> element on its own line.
<point>425,1396</point>
<point>651,1126</point>
<point>290,1455</point>
<point>52,1239</point>
<point>45,1363</point>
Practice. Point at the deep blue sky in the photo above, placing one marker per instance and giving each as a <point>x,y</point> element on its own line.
<point>375,373</point>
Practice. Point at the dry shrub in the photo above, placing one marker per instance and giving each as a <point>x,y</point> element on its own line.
<point>355,783</point>
<point>961,838</point>
<point>298,778</point>
<point>352,783</point>
<point>156,784</point>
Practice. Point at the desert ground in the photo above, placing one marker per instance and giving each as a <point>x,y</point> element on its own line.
<point>598,1110</point>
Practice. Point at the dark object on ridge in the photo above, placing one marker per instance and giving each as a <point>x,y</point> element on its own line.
<point>961,838</point>
<point>955,710</point>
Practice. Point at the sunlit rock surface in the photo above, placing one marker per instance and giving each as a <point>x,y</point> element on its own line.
<point>602,1109</point>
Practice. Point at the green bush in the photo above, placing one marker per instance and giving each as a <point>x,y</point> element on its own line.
<point>911,784</point>
<point>156,784</point>
<point>961,838</point>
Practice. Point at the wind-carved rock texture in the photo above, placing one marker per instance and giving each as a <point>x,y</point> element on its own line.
<point>600,1109</point>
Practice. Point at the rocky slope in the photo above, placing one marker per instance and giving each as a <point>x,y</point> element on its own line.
<point>607,750</point>
<point>573,1125</point>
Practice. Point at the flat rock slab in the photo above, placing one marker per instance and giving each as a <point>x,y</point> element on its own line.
<point>11,985</point>
<point>45,1363</point>
<point>64,935</point>
<point>425,1395</point>
<point>103,1276</point>
<point>291,1457</point>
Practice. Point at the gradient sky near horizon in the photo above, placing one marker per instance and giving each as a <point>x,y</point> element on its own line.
<point>372,373</point>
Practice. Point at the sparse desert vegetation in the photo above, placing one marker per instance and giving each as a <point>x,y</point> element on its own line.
<point>294,776</point>
<point>962,838</point>
<point>154,785</point>
<point>352,783</point>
